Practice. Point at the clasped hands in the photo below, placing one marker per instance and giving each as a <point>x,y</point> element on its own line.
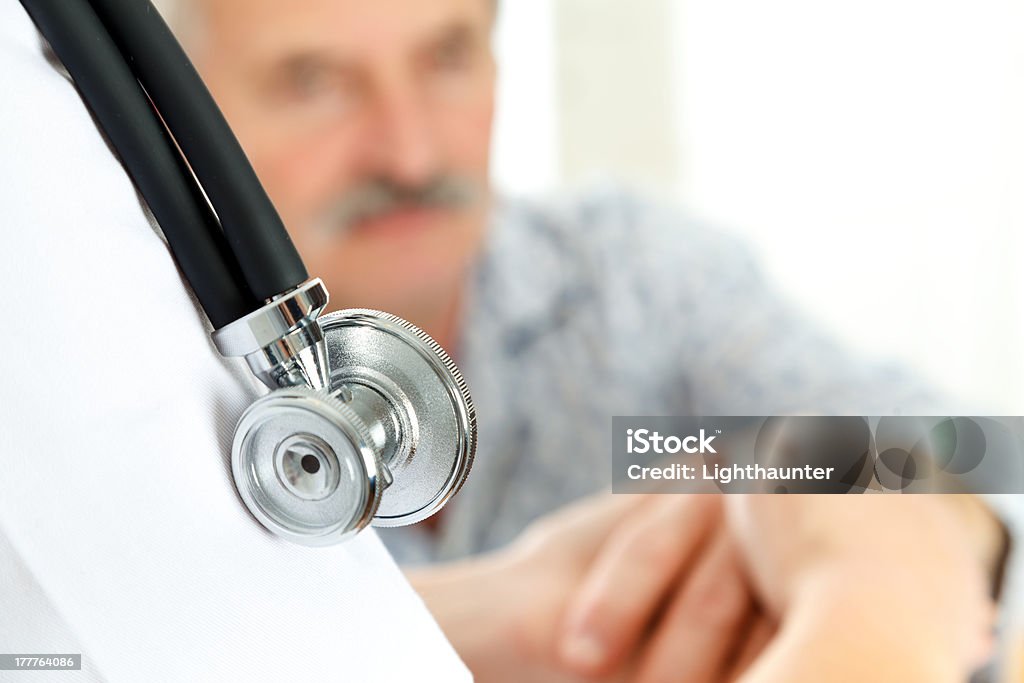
<point>709,588</point>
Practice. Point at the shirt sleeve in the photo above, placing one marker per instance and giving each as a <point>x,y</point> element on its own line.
<point>747,349</point>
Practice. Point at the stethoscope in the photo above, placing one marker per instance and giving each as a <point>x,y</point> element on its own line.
<point>368,420</point>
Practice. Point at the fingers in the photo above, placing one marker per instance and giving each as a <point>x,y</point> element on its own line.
<point>588,522</point>
<point>696,638</point>
<point>638,565</point>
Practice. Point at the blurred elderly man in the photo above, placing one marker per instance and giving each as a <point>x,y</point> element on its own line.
<point>369,123</point>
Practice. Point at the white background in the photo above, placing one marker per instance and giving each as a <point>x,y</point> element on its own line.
<point>872,151</point>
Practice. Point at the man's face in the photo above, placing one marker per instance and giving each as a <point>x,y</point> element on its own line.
<point>368,122</point>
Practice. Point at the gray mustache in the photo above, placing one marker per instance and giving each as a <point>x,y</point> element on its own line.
<point>378,197</point>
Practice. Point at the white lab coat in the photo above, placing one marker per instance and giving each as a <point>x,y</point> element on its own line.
<point>121,534</point>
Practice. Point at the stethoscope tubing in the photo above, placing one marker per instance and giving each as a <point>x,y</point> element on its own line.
<point>265,253</point>
<point>121,108</point>
<point>154,108</point>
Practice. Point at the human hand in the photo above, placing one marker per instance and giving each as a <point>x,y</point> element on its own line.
<point>904,578</point>
<point>501,610</point>
<point>667,595</point>
<point>879,588</point>
<point>639,588</point>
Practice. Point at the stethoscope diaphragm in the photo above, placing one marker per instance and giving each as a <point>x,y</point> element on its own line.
<point>305,466</point>
<point>388,443</point>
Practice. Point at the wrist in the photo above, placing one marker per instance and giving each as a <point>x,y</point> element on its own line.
<point>845,628</point>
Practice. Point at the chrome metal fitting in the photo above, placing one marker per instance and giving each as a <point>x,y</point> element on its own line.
<point>282,341</point>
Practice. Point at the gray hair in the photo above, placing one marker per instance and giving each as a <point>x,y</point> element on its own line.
<point>182,16</point>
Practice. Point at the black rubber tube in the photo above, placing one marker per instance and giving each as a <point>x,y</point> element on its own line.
<point>253,228</point>
<point>121,108</point>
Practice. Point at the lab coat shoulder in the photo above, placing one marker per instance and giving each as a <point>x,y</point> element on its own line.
<point>121,535</point>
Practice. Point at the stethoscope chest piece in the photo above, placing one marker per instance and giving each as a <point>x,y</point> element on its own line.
<point>388,443</point>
